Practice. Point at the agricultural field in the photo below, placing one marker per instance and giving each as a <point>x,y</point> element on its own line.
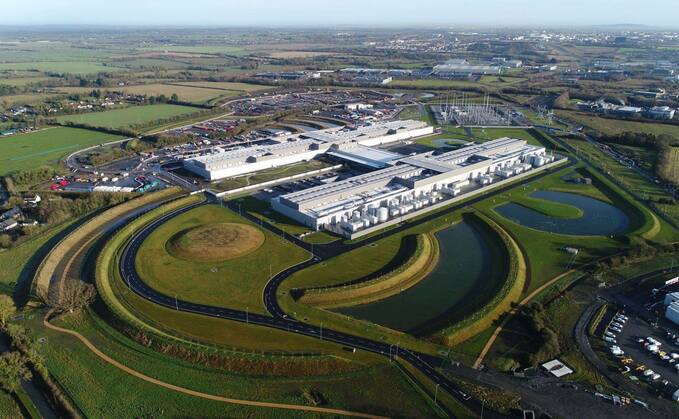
<point>46,147</point>
<point>234,283</point>
<point>72,67</point>
<point>185,93</point>
<point>129,117</point>
<point>489,81</point>
<point>615,126</point>
<point>238,87</point>
<point>22,81</point>
<point>670,166</point>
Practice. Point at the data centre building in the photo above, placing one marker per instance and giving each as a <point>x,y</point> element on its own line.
<point>408,184</point>
<point>219,163</point>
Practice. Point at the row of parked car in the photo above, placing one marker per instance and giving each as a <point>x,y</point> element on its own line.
<point>615,326</point>
<point>653,346</point>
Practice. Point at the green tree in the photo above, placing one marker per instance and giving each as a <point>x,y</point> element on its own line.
<point>12,370</point>
<point>7,308</point>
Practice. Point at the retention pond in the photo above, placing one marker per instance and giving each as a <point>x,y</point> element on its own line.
<point>472,267</point>
<point>599,218</point>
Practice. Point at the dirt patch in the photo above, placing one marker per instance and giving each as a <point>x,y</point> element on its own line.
<point>215,242</point>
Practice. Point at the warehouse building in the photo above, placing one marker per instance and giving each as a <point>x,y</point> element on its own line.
<point>408,184</point>
<point>295,148</point>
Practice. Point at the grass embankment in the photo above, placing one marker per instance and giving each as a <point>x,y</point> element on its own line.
<point>85,233</point>
<point>199,332</point>
<point>99,389</point>
<point>235,283</point>
<point>502,301</point>
<point>405,276</point>
<point>46,147</point>
<point>659,230</point>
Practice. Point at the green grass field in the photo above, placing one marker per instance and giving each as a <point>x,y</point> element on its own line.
<point>186,93</point>
<point>236,283</point>
<point>45,147</point>
<point>98,389</point>
<point>490,81</point>
<point>127,117</point>
<point>223,85</point>
<point>615,126</point>
<point>72,67</point>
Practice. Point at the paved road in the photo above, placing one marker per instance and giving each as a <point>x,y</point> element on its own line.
<point>278,319</point>
<point>425,363</point>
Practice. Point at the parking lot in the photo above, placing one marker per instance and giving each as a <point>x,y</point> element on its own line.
<point>632,341</point>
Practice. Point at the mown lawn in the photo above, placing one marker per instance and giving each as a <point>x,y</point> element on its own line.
<point>127,117</point>
<point>101,390</point>
<point>236,283</point>
<point>46,147</point>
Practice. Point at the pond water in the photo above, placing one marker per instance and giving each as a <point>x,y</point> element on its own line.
<point>470,267</point>
<point>599,218</point>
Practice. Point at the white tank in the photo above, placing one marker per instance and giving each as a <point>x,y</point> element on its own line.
<point>383,214</point>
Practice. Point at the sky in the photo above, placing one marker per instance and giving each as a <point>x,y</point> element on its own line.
<point>504,13</point>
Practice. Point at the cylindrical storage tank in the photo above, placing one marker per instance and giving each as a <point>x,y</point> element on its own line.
<point>382,214</point>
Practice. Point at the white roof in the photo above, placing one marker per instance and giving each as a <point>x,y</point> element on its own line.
<point>557,368</point>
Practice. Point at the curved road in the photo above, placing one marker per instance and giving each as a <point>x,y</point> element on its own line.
<point>424,363</point>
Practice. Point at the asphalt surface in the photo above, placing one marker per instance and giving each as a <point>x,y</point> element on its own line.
<point>424,363</point>
<point>634,310</point>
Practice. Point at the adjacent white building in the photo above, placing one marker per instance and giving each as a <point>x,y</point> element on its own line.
<point>408,184</point>
<point>672,313</point>
<point>296,148</point>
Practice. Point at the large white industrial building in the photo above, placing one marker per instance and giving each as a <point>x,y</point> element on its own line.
<point>301,147</point>
<point>408,184</point>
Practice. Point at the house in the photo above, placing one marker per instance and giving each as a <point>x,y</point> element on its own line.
<point>8,225</point>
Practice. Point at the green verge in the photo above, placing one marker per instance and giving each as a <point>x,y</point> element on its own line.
<point>411,272</point>
<point>101,390</point>
<point>236,283</point>
<point>195,331</point>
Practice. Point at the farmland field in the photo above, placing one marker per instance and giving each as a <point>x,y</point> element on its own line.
<point>186,93</point>
<point>616,126</point>
<point>224,85</point>
<point>121,118</point>
<point>45,147</point>
<point>74,67</point>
